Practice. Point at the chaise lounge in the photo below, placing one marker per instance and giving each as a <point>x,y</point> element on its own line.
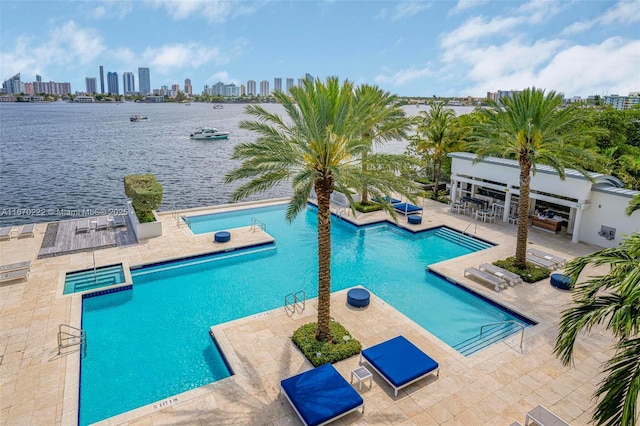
<point>82,226</point>
<point>559,261</point>
<point>499,272</point>
<point>406,208</point>
<point>399,362</point>
<point>541,261</point>
<point>27,230</point>
<point>497,282</point>
<point>5,233</point>
<point>119,221</point>
<point>102,222</point>
<point>321,395</point>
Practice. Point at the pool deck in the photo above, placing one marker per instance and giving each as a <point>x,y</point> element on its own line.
<point>495,386</point>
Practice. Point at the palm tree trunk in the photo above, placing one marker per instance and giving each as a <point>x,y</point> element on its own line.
<point>523,213</point>
<point>323,191</point>
<point>365,194</point>
<point>437,180</point>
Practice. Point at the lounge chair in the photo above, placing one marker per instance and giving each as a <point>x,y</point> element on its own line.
<point>102,223</point>
<point>15,266</point>
<point>14,275</point>
<point>541,261</point>
<point>27,230</point>
<point>499,272</point>
<point>486,276</point>
<point>559,261</point>
<point>406,208</point>
<point>321,395</point>
<point>119,221</point>
<point>5,233</point>
<point>541,416</point>
<point>399,362</point>
<point>82,225</point>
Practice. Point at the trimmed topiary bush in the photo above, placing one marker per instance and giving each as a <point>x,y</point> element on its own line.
<point>145,193</point>
<point>531,274</point>
<point>318,352</point>
<point>369,207</point>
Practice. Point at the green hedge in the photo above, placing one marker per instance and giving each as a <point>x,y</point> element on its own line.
<point>318,352</point>
<point>369,207</point>
<point>531,274</point>
<point>145,193</point>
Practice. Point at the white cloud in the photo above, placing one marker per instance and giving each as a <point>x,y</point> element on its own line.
<point>407,9</point>
<point>479,27</point>
<point>402,77</point>
<point>170,57</point>
<point>214,11</point>
<point>466,4</point>
<point>624,12</point>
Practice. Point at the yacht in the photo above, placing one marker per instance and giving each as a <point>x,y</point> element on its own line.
<point>136,118</point>
<point>209,133</point>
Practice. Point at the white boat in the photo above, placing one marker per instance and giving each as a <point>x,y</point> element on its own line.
<point>139,118</point>
<point>218,106</point>
<point>209,133</point>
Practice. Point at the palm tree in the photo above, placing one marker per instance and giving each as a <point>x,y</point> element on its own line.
<point>318,147</point>
<point>612,300</point>
<point>532,128</point>
<point>634,205</point>
<point>437,135</point>
<point>383,120</point>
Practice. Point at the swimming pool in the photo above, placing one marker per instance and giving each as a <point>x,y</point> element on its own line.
<point>151,341</point>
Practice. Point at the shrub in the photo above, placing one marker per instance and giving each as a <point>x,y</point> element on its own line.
<point>318,352</point>
<point>531,274</point>
<point>145,193</point>
<point>368,207</point>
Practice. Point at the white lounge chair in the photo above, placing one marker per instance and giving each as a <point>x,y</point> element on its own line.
<point>541,261</point>
<point>82,225</point>
<point>119,221</point>
<point>5,233</point>
<point>485,276</point>
<point>559,261</point>
<point>14,275</point>
<point>541,416</point>
<point>15,266</point>
<point>27,230</point>
<point>102,223</point>
<point>499,272</point>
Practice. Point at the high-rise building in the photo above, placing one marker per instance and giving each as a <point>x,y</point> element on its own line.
<point>289,84</point>
<point>242,90</point>
<point>264,88</point>
<point>308,76</point>
<point>101,79</point>
<point>112,83</point>
<point>13,85</point>
<point>175,89</point>
<point>38,78</point>
<point>144,81</point>
<point>128,83</point>
<point>188,89</point>
<point>91,84</point>
<point>277,83</point>
<point>251,88</point>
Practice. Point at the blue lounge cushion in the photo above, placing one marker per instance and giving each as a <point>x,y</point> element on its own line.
<point>414,219</point>
<point>321,394</point>
<point>399,361</point>
<point>561,281</point>
<point>406,208</point>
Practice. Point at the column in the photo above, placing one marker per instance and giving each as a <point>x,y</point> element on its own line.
<point>454,190</point>
<point>507,205</point>
<point>575,238</point>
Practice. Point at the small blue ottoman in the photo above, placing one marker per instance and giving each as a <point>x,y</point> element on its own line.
<point>561,281</point>
<point>222,237</point>
<point>358,297</point>
<point>414,219</point>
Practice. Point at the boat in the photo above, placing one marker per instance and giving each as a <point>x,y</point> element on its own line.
<point>209,133</point>
<point>136,118</point>
<point>218,106</point>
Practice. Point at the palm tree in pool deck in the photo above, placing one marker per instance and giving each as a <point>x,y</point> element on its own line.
<point>317,147</point>
<point>612,300</point>
<point>382,120</point>
<point>532,128</point>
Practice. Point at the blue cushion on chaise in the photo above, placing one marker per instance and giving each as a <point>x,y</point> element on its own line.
<point>399,362</point>
<point>321,395</point>
<point>406,208</point>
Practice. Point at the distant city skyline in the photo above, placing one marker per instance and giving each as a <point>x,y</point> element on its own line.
<point>410,48</point>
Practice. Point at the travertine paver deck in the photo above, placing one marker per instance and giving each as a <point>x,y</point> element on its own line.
<point>494,387</point>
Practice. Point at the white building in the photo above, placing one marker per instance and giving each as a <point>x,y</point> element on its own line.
<point>594,211</point>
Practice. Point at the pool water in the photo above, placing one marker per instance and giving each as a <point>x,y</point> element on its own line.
<point>90,279</point>
<point>152,341</point>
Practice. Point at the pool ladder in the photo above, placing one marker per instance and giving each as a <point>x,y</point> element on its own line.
<point>69,336</point>
<point>257,223</point>
<point>295,302</point>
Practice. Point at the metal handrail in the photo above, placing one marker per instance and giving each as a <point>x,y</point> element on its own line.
<point>507,322</point>
<point>67,338</point>
<point>257,223</point>
<point>296,303</point>
<point>340,211</point>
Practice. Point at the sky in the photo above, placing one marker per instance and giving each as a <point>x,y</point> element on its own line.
<point>408,48</point>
